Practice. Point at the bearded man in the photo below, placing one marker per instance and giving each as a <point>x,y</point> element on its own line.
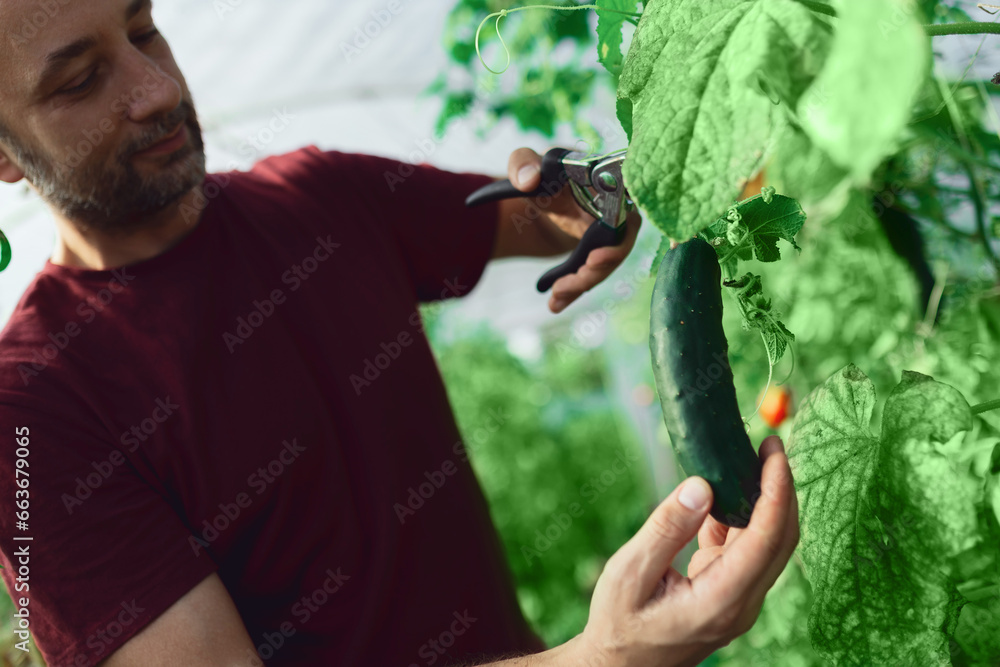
<point>192,472</point>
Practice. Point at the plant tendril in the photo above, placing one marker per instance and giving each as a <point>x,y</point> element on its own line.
<point>770,370</point>
<point>504,12</point>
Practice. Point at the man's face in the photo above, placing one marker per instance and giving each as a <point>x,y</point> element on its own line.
<point>97,115</point>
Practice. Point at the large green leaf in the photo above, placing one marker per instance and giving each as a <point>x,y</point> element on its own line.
<point>704,82</point>
<point>859,104</point>
<point>883,517</point>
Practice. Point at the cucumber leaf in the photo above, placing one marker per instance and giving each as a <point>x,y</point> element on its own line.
<point>704,81</point>
<point>857,107</point>
<point>609,32</point>
<point>764,223</point>
<point>751,230</point>
<point>883,517</point>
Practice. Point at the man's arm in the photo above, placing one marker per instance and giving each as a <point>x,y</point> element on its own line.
<point>201,628</point>
<point>643,611</point>
<point>548,226</point>
<point>204,629</point>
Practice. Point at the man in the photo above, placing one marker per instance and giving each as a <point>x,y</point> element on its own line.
<point>217,390</point>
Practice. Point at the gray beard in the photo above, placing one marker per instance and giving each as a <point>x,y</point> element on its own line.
<point>116,199</point>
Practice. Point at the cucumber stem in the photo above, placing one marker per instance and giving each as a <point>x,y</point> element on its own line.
<point>986,407</point>
<point>934,30</point>
<point>964,28</point>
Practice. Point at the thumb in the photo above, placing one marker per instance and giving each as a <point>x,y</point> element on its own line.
<point>668,529</point>
<point>523,169</point>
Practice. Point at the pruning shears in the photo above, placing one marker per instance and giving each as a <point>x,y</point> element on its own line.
<point>608,203</point>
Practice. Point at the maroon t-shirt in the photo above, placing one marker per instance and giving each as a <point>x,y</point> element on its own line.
<point>260,401</point>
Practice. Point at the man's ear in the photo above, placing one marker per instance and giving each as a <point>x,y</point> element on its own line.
<point>9,172</point>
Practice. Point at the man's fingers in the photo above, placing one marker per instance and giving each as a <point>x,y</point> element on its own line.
<point>788,545</point>
<point>702,559</point>
<point>712,533</point>
<point>643,561</point>
<point>770,444</point>
<point>765,540</point>
<point>524,169</point>
<point>600,264</point>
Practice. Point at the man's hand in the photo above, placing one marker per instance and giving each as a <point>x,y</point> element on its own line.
<point>644,613</point>
<point>556,231</point>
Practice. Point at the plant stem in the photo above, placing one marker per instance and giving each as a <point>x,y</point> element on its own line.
<point>985,407</point>
<point>819,7</point>
<point>980,208</point>
<point>935,30</point>
<point>965,28</point>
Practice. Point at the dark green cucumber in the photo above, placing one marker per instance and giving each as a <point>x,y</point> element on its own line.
<point>695,383</point>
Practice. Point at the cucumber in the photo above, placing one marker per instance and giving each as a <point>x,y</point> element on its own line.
<point>695,382</point>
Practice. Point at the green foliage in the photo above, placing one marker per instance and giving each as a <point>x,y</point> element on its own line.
<point>701,122</point>
<point>886,519</point>
<point>857,106</point>
<point>560,449</point>
<point>547,92</point>
<point>546,95</point>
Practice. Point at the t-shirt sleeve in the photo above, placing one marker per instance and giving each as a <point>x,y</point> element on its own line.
<point>444,244</point>
<point>107,553</point>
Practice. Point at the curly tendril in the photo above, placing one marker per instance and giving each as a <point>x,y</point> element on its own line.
<point>630,17</point>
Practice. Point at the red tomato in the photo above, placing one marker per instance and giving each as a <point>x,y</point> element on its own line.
<point>776,406</point>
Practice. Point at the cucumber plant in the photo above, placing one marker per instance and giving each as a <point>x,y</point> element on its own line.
<point>832,104</point>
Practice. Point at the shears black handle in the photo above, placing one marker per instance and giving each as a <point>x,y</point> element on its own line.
<point>553,179</point>
<point>598,235</point>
